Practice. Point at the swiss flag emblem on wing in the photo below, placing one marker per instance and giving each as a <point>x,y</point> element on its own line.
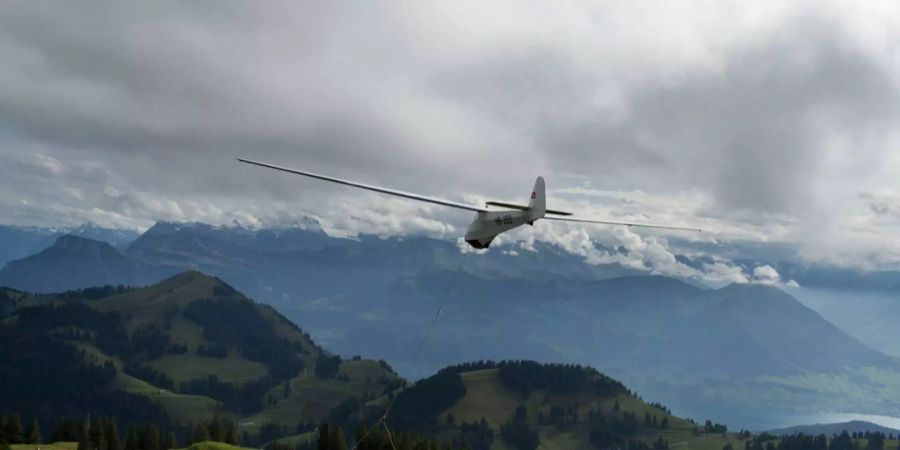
<point>533,194</point>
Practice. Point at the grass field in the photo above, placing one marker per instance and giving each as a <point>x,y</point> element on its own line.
<point>311,398</point>
<point>182,408</point>
<point>485,396</point>
<point>233,369</point>
<point>292,441</point>
<point>308,398</point>
<point>209,445</point>
<point>53,446</point>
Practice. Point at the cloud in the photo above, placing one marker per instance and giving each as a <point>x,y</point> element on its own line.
<point>766,274</point>
<point>760,122</point>
<point>629,249</point>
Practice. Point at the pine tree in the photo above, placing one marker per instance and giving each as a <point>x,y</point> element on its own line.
<point>33,432</point>
<point>337,439</point>
<point>132,439</point>
<point>150,438</point>
<point>324,438</point>
<point>216,431</point>
<point>84,441</point>
<point>876,442</point>
<point>111,431</point>
<point>201,433</point>
<point>95,434</point>
<point>171,441</point>
<point>66,431</point>
<point>13,429</point>
<point>232,436</point>
<point>361,431</point>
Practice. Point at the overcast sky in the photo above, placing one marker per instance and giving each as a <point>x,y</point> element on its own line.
<point>754,120</point>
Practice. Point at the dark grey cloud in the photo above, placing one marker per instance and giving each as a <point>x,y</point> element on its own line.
<point>752,131</point>
<point>750,120</point>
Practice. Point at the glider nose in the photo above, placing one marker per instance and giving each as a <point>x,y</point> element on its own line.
<point>478,244</point>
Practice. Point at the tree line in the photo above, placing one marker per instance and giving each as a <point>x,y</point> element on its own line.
<point>12,432</point>
<point>841,441</point>
<point>102,433</point>
<point>554,378</point>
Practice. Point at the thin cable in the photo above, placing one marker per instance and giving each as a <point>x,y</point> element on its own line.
<point>440,309</point>
<point>390,437</point>
<point>425,338</point>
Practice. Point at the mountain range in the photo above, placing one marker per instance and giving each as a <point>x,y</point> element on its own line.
<point>831,429</point>
<point>737,353</point>
<point>19,242</point>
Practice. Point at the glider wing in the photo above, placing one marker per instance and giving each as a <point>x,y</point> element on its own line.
<point>627,224</point>
<point>382,190</point>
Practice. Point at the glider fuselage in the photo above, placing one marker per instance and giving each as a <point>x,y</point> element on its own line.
<point>488,224</point>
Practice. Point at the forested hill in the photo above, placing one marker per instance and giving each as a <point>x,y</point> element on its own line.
<point>172,353</point>
<point>528,405</point>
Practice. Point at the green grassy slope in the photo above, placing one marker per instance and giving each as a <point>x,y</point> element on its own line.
<point>308,397</point>
<point>53,446</point>
<point>312,398</point>
<point>209,445</point>
<point>162,309</point>
<point>231,369</point>
<point>486,396</point>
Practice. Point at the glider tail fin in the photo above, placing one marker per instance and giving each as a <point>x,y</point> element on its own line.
<point>538,203</point>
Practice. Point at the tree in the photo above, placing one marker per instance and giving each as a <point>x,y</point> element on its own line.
<point>661,444</point>
<point>216,431</point>
<point>111,430</point>
<point>132,439</point>
<point>84,439</point>
<point>12,429</point>
<point>232,436</point>
<point>66,431</point>
<point>95,434</point>
<point>338,441</point>
<point>33,432</point>
<point>150,438</point>
<point>324,437</point>
<point>876,442</point>
<point>200,433</point>
<point>521,413</point>
<point>520,435</point>
<point>842,442</point>
<point>171,441</point>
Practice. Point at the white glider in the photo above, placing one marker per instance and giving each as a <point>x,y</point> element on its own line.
<point>488,223</point>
